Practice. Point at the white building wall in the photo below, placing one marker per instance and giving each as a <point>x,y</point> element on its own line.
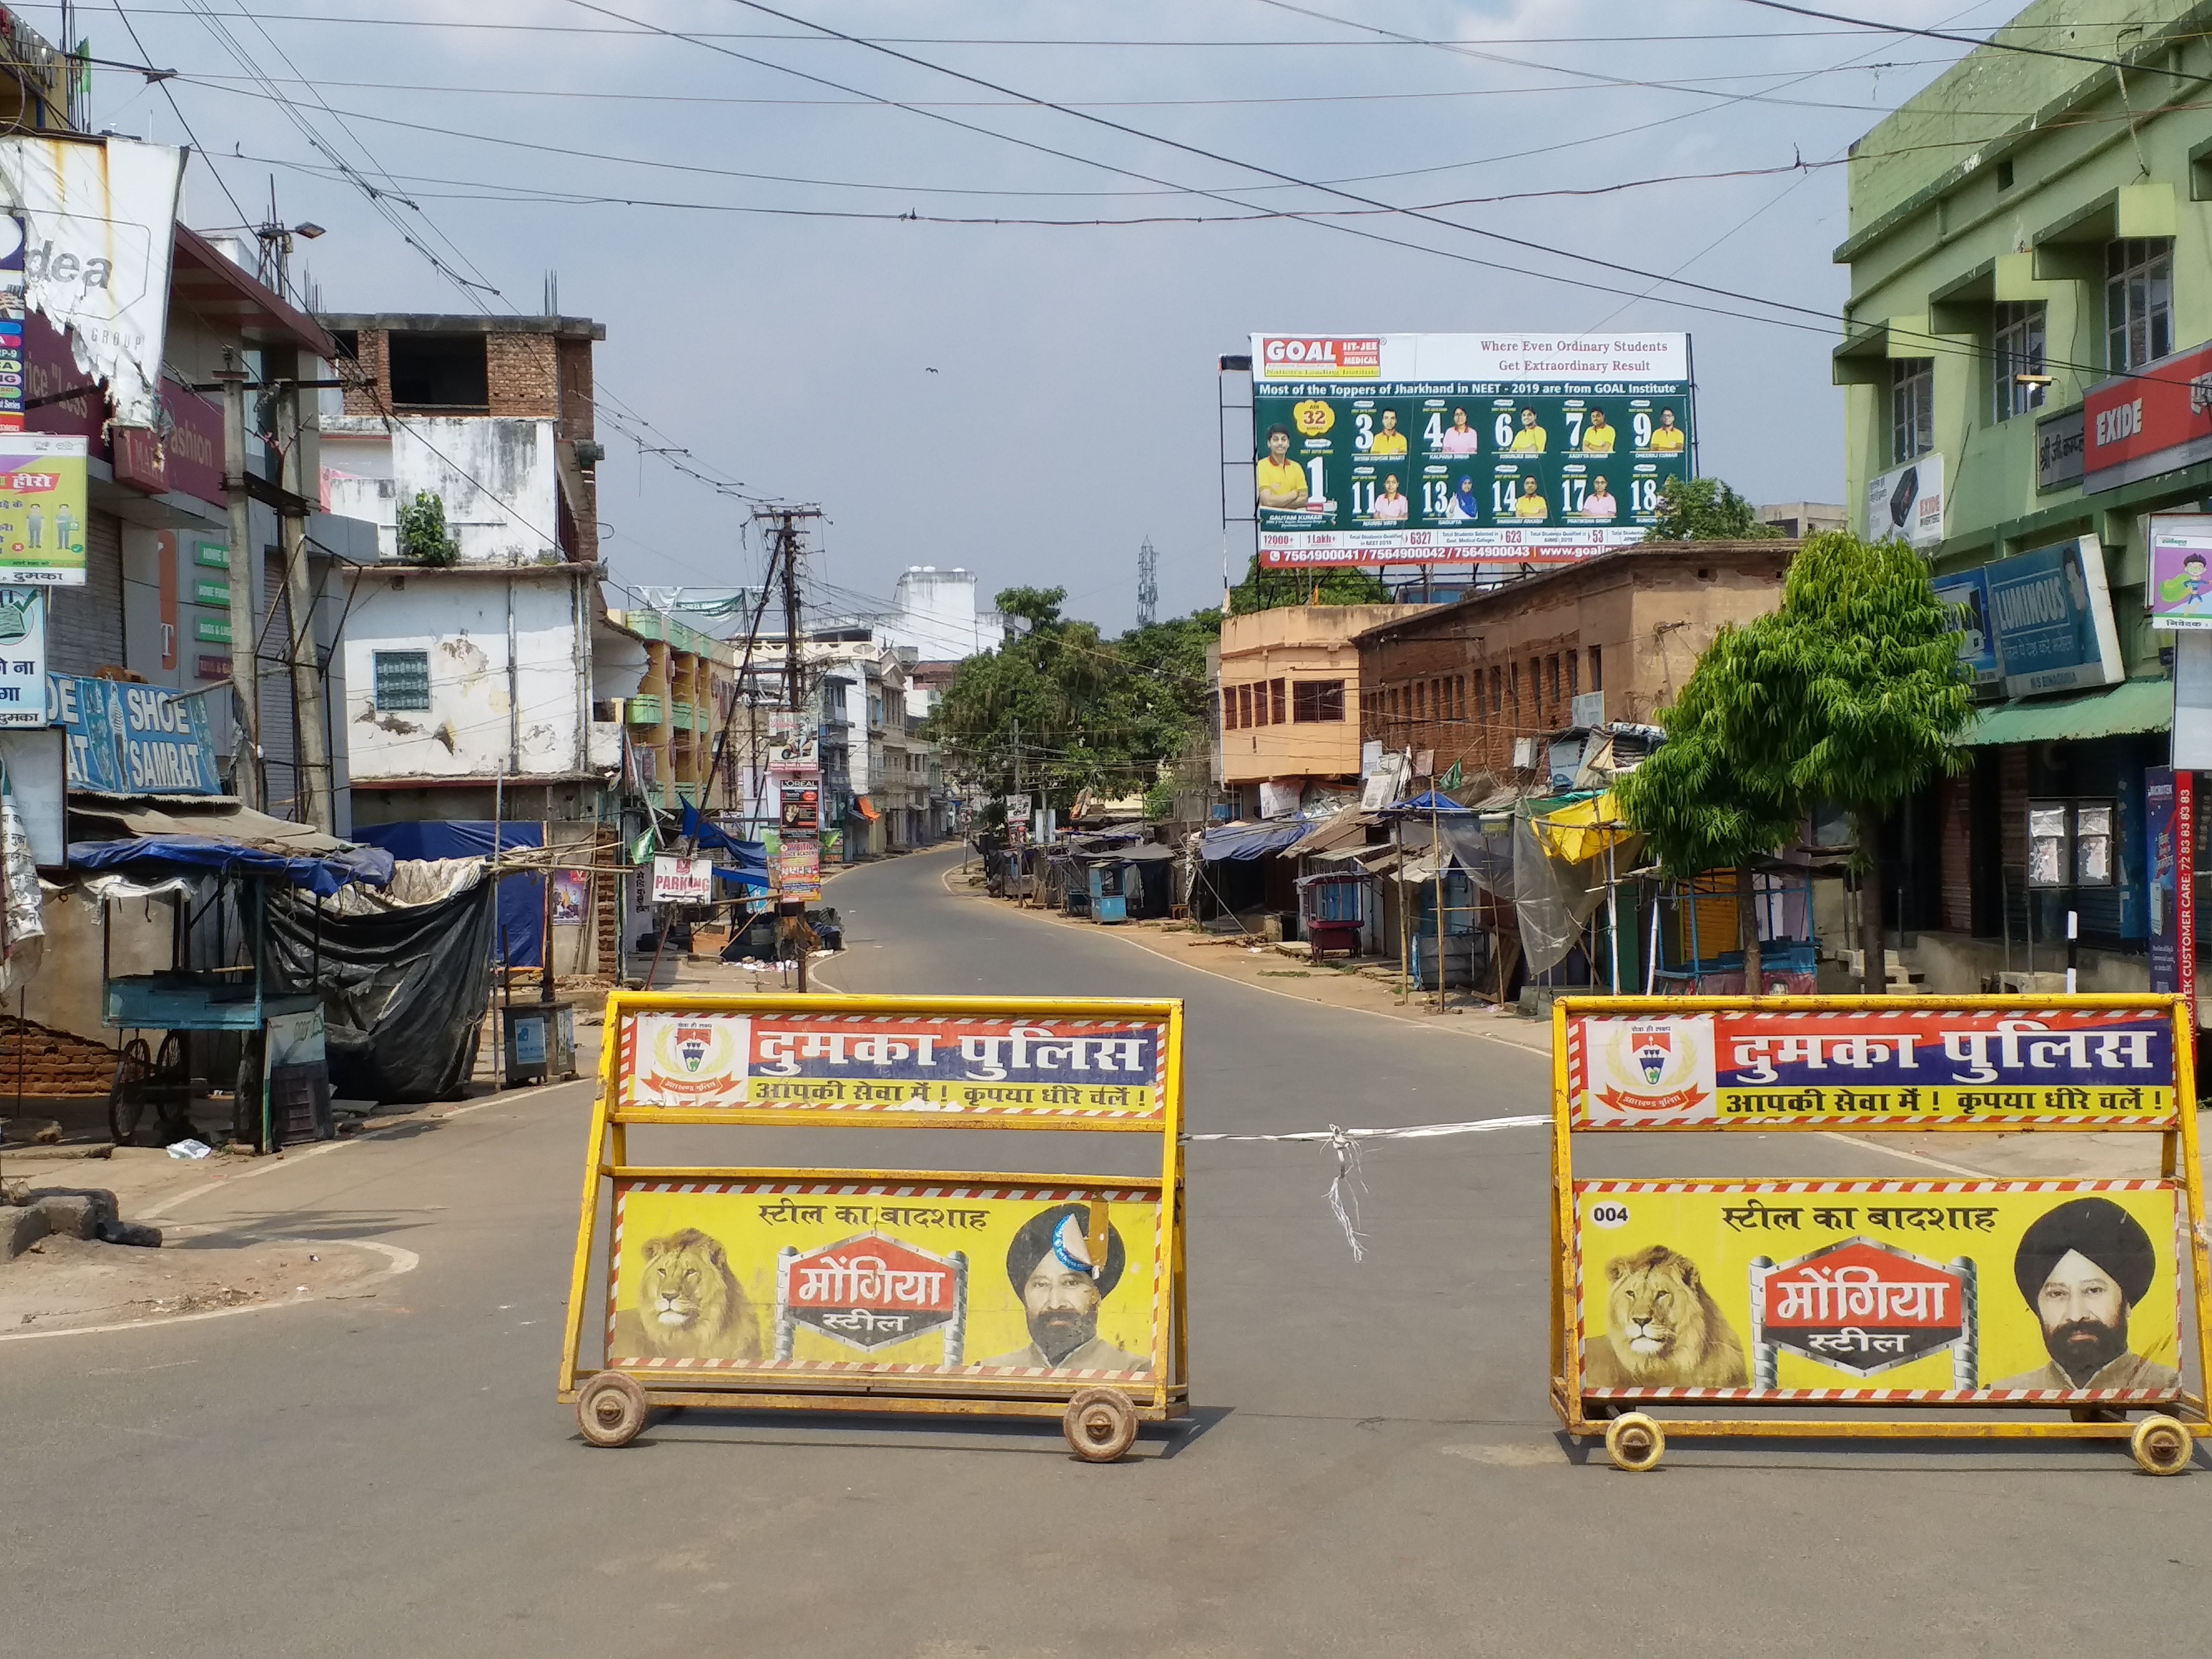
<point>937,614</point>
<point>499,479</point>
<point>481,719</point>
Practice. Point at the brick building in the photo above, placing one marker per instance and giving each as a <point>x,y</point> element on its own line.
<point>1291,705</point>
<point>1612,639</point>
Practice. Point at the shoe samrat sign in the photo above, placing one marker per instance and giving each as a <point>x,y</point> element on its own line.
<point>1509,448</point>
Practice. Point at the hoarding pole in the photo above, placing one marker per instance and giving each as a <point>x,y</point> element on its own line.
<point>245,690</point>
<point>1437,852</point>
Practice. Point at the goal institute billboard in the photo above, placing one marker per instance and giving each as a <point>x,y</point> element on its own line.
<point>1509,448</point>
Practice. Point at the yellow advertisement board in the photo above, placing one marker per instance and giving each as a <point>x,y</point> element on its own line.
<point>1902,1291</point>
<point>994,1283</point>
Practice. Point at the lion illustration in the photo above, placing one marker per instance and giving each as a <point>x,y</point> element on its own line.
<point>1662,1330</point>
<point>690,1306</point>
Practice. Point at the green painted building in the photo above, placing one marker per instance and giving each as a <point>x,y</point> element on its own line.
<point>2030,254</point>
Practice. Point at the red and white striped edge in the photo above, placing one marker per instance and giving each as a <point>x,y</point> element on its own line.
<point>626,1101</point>
<point>878,1190</point>
<point>1849,1184</point>
<point>1579,1116</point>
<point>1896,1396</point>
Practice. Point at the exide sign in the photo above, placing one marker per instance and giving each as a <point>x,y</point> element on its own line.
<point>2154,422</point>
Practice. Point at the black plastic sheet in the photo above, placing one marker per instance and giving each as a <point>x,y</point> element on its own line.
<point>403,992</point>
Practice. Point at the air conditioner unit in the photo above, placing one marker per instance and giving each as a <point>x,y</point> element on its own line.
<point>1524,754</point>
<point>1588,709</point>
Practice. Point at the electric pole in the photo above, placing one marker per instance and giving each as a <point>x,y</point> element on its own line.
<point>784,531</point>
<point>1148,584</point>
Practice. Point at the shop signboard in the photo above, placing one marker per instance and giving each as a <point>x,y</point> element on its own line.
<point>799,868</point>
<point>1907,501</point>
<point>2179,591</point>
<point>127,739</point>
<point>2155,420</point>
<point>2170,837</point>
<point>794,742</point>
<point>1967,593</point>
<point>42,509</point>
<point>1876,1291</point>
<point>1435,448</point>
<point>22,656</point>
<point>2053,616</point>
<point>801,800</point>
<point>2059,441</point>
<point>1889,1067</point>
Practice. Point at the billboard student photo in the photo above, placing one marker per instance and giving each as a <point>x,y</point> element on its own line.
<point>1389,441</point>
<point>1599,503</point>
<point>1598,435</point>
<point>1531,438</point>
<point>1465,506</point>
<point>1669,439</point>
<point>1390,504</point>
<point>1461,439</point>
<point>1281,481</point>
<point>2081,1267</point>
<point>1529,504</point>
<point>1049,1266</point>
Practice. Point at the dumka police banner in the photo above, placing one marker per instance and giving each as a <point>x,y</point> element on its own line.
<point>1872,1068</point>
<point>1817,1291</point>
<point>1101,1070</point>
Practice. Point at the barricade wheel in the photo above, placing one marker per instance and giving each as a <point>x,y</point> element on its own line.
<point>1635,1443</point>
<point>611,1409</point>
<point>2161,1446</point>
<point>1100,1423</point>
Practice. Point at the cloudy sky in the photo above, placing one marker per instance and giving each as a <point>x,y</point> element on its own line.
<point>806,253</point>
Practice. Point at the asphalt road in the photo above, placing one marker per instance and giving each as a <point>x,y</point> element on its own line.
<point>1372,1467</point>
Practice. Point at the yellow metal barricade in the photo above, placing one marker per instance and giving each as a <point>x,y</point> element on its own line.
<point>877,1289</point>
<point>2049,1308</point>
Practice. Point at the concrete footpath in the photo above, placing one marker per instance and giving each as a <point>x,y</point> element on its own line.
<point>1287,970</point>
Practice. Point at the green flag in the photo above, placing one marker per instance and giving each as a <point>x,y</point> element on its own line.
<point>1450,781</point>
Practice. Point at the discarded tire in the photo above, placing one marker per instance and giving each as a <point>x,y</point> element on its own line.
<point>611,1409</point>
<point>2161,1446</point>
<point>1635,1443</point>
<point>1100,1423</point>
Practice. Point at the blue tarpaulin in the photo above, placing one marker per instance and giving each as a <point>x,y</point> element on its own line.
<point>1251,841</point>
<point>519,934</point>
<point>743,862</point>
<point>1431,802</point>
<point>322,873</point>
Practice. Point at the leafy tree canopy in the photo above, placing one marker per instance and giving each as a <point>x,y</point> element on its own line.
<point>1272,590</point>
<point>1706,510</point>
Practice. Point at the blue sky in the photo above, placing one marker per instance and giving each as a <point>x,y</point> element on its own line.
<point>1031,401</point>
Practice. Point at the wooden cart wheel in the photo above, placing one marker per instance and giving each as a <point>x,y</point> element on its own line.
<point>1635,1443</point>
<point>611,1409</point>
<point>1100,1424</point>
<point>2161,1446</point>
<point>127,1095</point>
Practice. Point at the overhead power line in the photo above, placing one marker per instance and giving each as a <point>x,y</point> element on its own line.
<point>1992,42</point>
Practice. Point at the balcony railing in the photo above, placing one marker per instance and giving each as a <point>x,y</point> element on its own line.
<point>642,711</point>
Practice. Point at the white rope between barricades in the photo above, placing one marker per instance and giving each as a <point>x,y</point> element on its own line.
<point>1345,1186</point>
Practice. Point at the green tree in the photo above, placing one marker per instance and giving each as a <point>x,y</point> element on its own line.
<point>1851,692</point>
<point>1272,590</point>
<point>423,537</point>
<point>1706,510</point>
<point>1694,805</point>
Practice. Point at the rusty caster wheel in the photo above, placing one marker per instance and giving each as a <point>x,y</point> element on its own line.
<point>1635,1443</point>
<point>611,1409</point>
<point>2161,1446</point>
<point>1100,1424</point>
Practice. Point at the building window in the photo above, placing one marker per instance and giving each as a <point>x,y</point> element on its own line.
<point>1912,409</point>
<point>1597,668</point>
<point>1243,706</point>
<point>1497,691</point>
<point>1574,674</point>
<point>1516,678</point>
<point>1313,701</point>
<point>1553,664</point>
<point>403,680</point>
<point>439,371</point>
<point>1277,697</point>
<point>1229,709</point>
<point>2016,351</point>
<point>2138,302</point>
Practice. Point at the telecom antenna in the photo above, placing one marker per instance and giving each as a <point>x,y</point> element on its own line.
<point>1148,584</point>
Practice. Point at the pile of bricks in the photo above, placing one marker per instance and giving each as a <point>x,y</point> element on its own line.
<point>54,1062</point>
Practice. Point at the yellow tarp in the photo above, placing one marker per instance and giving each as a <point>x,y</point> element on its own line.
<point>1585,829</point>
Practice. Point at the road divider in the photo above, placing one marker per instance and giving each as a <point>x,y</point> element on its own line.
<point>1868,1298</point>
<point>852,1288</point>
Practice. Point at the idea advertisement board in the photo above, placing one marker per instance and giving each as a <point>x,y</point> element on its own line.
<point>1899,1066</point>
<point>1875,1290</point>
<point>982,1281</point>
<point>1425,448</point>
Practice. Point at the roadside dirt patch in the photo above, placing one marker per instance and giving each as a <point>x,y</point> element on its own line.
<point>61,1283</point>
